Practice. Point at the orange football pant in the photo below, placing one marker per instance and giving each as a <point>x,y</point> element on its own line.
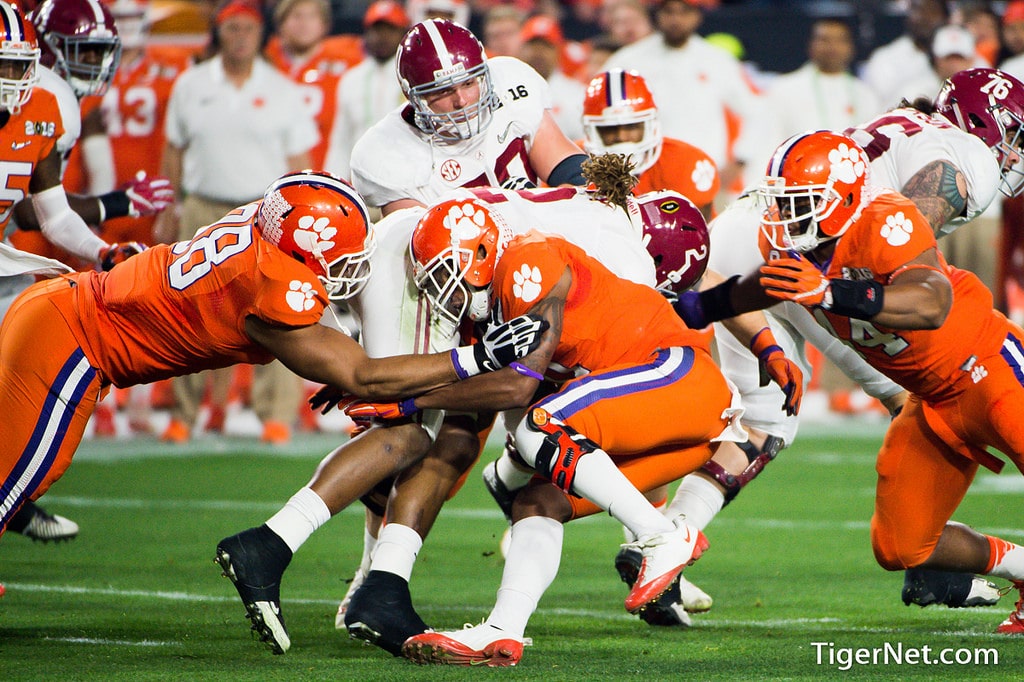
<point>48,390</point>
<point>932,451</point>
<point>656,420</point>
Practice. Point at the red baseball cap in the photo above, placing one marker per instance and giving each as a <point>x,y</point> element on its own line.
<point>238,8</point>
<point>1014,12</point>
<point>542,27</point>
<point>388,11</point>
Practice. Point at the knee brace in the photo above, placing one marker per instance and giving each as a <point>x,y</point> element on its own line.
<point>555,447</point>
<point>757,459</point>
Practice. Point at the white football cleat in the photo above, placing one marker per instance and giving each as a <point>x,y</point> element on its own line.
<point>665,555</point>
<point>357,580</point>
<point>482,644</point>
<point>694,599</point>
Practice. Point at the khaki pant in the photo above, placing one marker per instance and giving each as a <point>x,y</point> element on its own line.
<point>975,247</point>
<point>276,391</point>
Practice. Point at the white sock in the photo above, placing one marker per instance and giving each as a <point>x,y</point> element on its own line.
<point>531,565</point>
<point>511,474</point>
<point>397,547</point>
<point>601,482</point>
<point>369,544</point>
<point>699,499</point>
<point>660,506</point>
<point>1007,559</point>
<point>299,518</point>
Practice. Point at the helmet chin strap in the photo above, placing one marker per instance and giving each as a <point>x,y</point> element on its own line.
<point>480,305</point>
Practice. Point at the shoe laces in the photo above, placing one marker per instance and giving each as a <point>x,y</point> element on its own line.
<point>1019,586</point>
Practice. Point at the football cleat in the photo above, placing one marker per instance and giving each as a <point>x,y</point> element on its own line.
<point>353,585</point>
<point>955,590</point>
<point>672,608</point>
<point>474,645</point>
<point>664,557</point>
<point>276,433</point>
<point>176,432</point>
<point>380,612</point>
<point>254,561</point>
<point>1014,623</point>
<point>667,610</point>
<point>498,490</point>
<point>36,523</point>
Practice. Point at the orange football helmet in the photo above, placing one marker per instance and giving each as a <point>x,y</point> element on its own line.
<point>321,221</point>
<point>621,98</point>
<point>18,45</point>
<point>455,249</point>
<point>814,190</point>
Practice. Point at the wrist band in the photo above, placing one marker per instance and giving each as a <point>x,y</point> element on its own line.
<point>526,371</point>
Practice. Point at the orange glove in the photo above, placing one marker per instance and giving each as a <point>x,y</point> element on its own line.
<point>360,409</point>
<point>795,279</point>
<point>776,366</point>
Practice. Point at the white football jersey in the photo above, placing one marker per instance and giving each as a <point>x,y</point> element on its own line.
<point>394,317</point>
<point>903,141</point>
<point>70,110</point>
<point>395,160</point>
<point>394,320</point>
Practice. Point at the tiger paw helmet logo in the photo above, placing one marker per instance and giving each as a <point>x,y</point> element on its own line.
<point>897,229</point>
<point>526,283</point>
<point>465,221</point>
<point>301,296</point>
<point>846,163</point>
<point>314,235</point>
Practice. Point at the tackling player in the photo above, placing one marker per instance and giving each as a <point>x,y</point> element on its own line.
<point>248,288</point>
<point>863,260</point>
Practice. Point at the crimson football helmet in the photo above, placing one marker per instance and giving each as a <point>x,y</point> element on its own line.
<point>989,104</point>
<point>132,20</point>
<point>79,41</point>
<point>455,249</point>
<point>17,46</point>
<point>622,98</point>
<point>436,55</point>
<point>321,221</point>
<point>814,190</point>
<point>676,236</point>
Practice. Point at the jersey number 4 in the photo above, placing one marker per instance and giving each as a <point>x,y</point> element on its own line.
<point>864,335</point>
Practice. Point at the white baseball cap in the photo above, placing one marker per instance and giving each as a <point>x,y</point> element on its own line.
<point>953,40</point>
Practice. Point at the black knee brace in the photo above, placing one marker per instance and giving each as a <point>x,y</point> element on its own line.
<point>561,449</point>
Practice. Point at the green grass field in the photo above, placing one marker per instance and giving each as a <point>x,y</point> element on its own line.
<point>138,597</point>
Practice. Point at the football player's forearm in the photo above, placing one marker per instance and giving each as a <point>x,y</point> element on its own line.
<point>495,391</point>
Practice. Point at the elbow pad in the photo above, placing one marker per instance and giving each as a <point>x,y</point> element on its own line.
<point>569,171</point>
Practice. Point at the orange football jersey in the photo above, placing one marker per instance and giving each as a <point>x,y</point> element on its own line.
<point>27,138</point>
<point>890,233</point>
<point>319,77</point>
<point>608,321</point>
<point>181,308</point>
<point>682,168</point>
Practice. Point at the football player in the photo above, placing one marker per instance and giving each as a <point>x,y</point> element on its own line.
<point>33,133</point>
<point>586,458</point>
<point>951,158</point>
<point>248,288</point>
<point>864,261</point>
<point>619,116</point>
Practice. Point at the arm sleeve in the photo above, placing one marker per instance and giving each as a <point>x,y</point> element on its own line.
<point>98,157</point>
<point>63,227</point>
